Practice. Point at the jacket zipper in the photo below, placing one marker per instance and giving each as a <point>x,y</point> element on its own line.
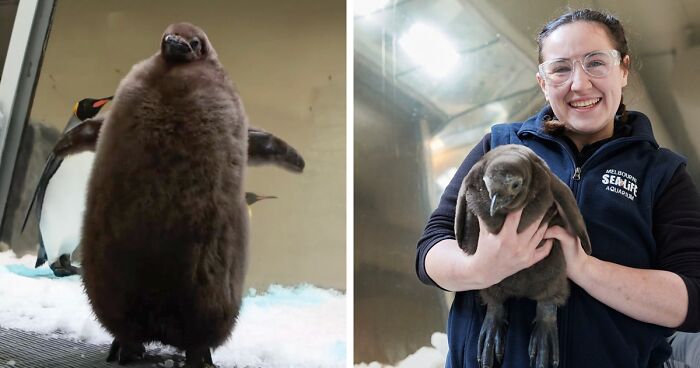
<point>577,173</point>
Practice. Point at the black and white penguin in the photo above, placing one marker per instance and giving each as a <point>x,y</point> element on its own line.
<point>60,197</point>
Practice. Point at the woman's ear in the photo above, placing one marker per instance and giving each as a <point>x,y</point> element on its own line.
<point>625,69</point>
<point>541,82</point>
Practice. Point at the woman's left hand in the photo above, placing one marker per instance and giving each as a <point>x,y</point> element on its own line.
<point>652,296</point>
<point>574,254</point>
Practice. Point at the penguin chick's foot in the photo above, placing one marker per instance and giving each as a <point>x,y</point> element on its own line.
<point>199,358</point>
<point>544,340</point>
<point>125,353</point>
<point>492,338</point>
<point>62,267</point>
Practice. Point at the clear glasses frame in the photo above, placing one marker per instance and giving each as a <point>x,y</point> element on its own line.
<point>558,72</point>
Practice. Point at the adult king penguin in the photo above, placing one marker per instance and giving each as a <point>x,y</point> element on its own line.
<point>60,198</point>
<point>165,231</point>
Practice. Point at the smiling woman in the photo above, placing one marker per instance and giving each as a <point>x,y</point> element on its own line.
<point>639,204</point>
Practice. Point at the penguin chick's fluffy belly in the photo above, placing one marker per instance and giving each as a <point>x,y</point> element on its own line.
<point>183,211</point>
<point>64,205</point>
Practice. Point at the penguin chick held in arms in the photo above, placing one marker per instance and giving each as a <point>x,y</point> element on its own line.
<point>506,179</point>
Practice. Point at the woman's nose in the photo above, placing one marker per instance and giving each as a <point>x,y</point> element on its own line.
<point>579,79</point>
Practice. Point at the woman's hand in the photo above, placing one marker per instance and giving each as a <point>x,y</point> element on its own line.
<point>652,296</point>
<point>497,256</point>
<point>503,254</point>
<point>574,254</point>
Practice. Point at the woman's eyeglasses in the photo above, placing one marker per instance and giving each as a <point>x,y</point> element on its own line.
<point>597,64</point>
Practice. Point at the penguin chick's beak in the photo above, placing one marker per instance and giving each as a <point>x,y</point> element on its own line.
<point>251,198</point>
<point>176,48</point>
<point>500,200</point>
<point>494,208</point>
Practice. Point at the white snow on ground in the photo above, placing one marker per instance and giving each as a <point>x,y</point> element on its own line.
<point>425,357</point>
<point>302,326</point>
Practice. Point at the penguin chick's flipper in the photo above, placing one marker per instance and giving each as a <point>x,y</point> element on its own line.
<point>199,358</point>
<point>83,137</point>
<point>466,223</point>
<point>461,213</point>
<point>265,148</point>
<point>568,209</point>
<point>125,353</point>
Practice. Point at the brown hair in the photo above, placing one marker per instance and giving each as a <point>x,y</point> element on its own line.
<point>617,36</point>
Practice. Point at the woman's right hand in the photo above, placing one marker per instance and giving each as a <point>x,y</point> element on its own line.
<point>497,256</point>
<point>501,255</point>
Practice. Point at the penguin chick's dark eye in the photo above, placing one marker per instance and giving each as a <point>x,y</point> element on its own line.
<point>194,43</point>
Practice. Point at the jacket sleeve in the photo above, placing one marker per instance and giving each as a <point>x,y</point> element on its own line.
<point>440,225</point>
<point>676,228</point>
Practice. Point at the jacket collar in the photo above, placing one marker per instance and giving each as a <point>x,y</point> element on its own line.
<point>641,126</point>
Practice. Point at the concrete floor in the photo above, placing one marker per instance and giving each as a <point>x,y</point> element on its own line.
<point>20,349</point>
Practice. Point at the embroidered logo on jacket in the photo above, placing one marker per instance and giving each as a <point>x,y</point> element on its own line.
<point>621,183</point>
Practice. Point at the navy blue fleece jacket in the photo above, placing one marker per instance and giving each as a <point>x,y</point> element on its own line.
<point>654,223</point>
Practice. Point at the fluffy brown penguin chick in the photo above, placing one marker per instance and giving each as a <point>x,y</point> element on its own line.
<point>506,179</point>
<point>166,227</point>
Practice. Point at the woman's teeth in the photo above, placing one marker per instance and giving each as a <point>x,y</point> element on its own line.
<point>585,103</point>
